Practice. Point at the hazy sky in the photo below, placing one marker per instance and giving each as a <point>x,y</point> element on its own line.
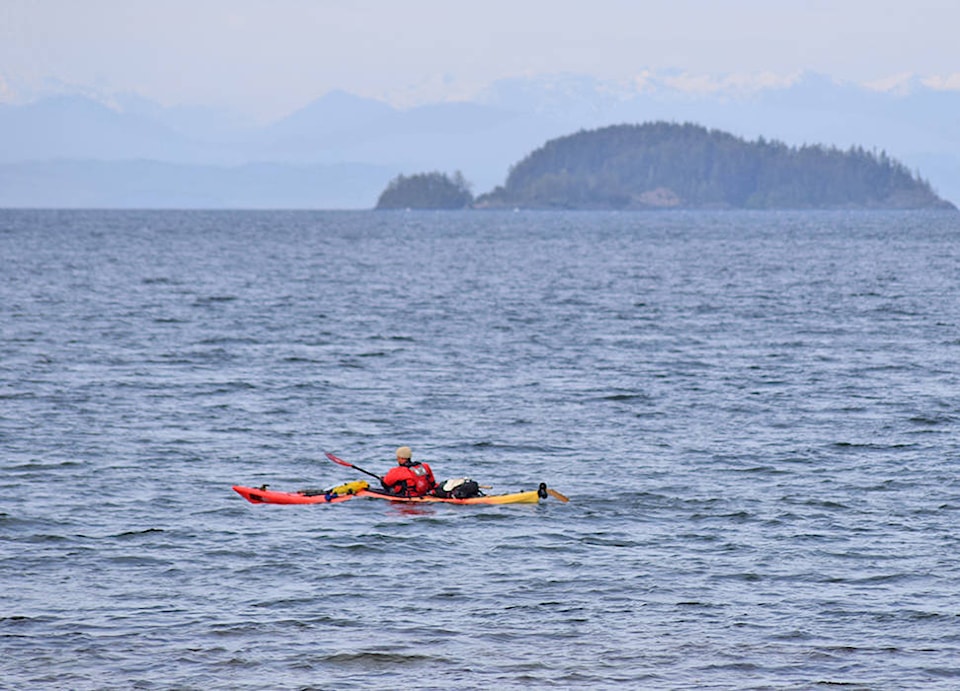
<point>269,57</point>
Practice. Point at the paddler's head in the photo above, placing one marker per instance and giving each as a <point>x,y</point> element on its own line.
<point>403,455</point>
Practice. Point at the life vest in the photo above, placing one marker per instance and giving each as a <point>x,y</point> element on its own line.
<point>410,479</point>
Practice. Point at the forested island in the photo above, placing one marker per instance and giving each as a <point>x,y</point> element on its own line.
<point>665,165</point>
<point>427,191</point>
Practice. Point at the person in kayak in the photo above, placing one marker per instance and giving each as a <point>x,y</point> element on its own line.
<point>409,479</point>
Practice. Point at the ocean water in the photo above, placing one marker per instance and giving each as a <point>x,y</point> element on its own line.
<point>755,416</point>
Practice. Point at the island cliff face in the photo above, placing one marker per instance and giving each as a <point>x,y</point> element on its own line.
<point>664,165</point>
<point>669,166</point>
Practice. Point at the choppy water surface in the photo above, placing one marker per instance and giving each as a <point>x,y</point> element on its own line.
<point>756,417</point>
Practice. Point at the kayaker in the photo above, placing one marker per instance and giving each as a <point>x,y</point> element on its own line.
<point>409,479</point>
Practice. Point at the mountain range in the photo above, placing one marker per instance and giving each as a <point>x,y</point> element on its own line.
<point>341,150</point>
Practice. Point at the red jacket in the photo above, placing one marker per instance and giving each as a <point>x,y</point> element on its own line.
<point>410,479</point>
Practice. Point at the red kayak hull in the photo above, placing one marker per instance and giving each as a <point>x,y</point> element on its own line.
<point>257,495</point>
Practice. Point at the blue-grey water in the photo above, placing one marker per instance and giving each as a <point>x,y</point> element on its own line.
<point>755,416</point>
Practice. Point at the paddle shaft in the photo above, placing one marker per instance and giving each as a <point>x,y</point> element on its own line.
<point>340,461</point>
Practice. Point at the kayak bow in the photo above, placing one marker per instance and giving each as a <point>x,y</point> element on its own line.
<point>262,495</point>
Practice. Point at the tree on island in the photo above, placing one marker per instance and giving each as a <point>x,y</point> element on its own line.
<point>427,191</point>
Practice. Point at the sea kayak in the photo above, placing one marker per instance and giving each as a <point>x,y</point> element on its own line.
<point>262,495</point>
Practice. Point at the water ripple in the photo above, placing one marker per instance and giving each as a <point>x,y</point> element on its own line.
<point>754,416</point>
